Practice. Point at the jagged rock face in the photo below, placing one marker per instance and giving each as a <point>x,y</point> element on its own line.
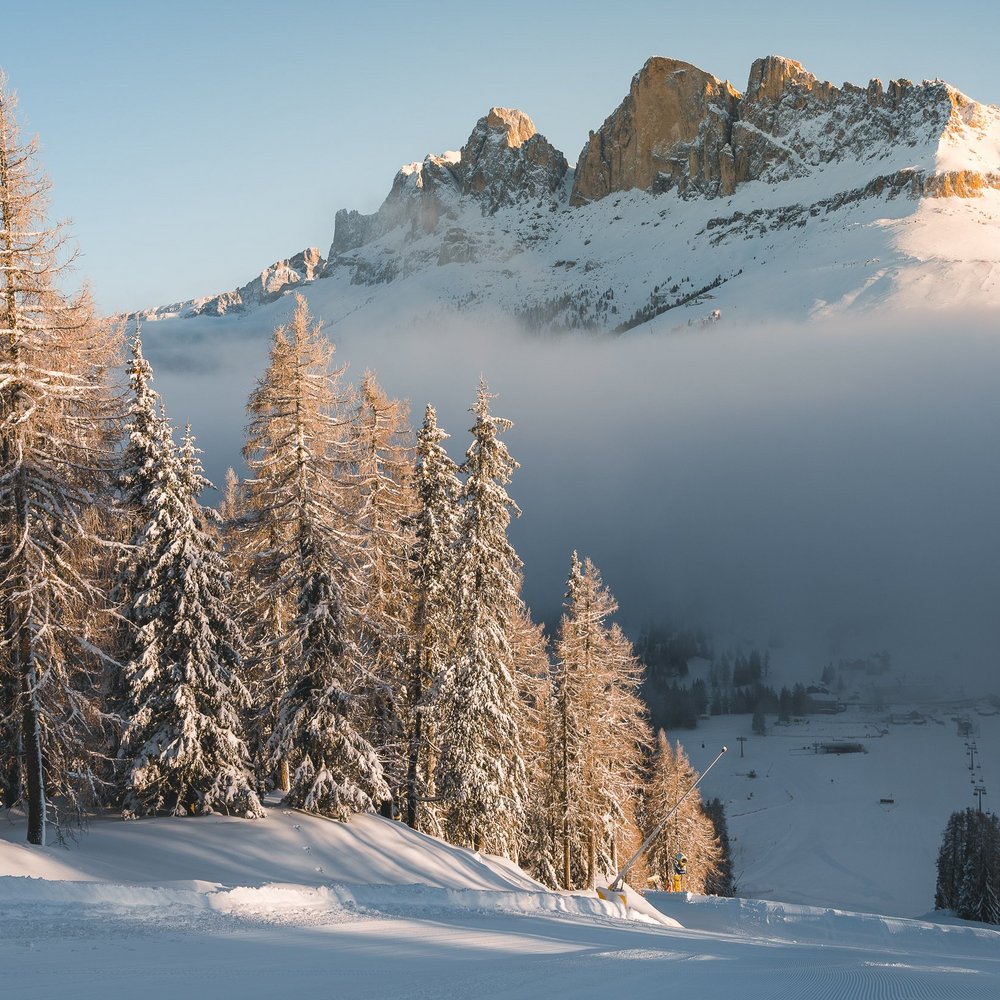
<point>671,131</point>
<point>682,128</point>
<point>506,159</point>
<point>790,123</point>
<point>268,285</point>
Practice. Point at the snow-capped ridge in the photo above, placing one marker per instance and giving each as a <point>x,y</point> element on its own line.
<point>270,284</point>
<point>680,200</point>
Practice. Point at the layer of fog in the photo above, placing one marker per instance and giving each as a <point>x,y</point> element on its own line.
<point>835,487</point>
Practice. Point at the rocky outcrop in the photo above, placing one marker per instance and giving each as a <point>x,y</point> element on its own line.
<point>789,123</point>
<point>422,194</point>
<point>506,159</point>
<point>681,128</point>
<point>267,286</point>
<point>671,131</point>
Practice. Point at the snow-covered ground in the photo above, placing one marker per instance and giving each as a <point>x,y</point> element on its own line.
<point>813,828</point>
<point>295,905</point>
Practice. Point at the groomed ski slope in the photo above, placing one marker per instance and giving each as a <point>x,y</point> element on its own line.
<point>297,906</point>
<point>860,831</point>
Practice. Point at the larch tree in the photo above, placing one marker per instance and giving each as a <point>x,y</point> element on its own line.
<point>480,771</point>
<point>436,529</point>
<point>57,422</point>
<point>183,749</point>
<point>690,832</point>
<point>381,505</point>
<point>600,730</point>
<point>627,739</point>
<point>303,556</point>
<point>539,727</point>
<point>292,435</point>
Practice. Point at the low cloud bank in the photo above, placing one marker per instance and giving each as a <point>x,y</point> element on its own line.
<point>836,485</point>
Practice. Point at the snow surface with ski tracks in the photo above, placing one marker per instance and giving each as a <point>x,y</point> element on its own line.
<point>295,906</point>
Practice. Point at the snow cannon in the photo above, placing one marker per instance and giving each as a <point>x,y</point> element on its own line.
<point>615,892</point>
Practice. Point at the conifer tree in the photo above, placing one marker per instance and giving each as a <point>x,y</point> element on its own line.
<point>140,479</point>
<point>968,866</point>
<point>690,832</point>
<point>626,742</point>
<point>436,528</point>
<point>299,540</point>
<point>293,441</point>
<point>183,748</point>
<point>480,772</point>
<point>720,882</point>
<point>381,505</point>
<point>56,428</point>
<point>600,729</point>
<point>538,727</point>
<point>320,714</point>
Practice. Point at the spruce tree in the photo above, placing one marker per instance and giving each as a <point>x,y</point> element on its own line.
<point>140,478</point>
<point>480,772</point>
<point>57,425</point>
<point>337,771</point>
<point>436,529</point>
<point>720,882</point>
<point>969,866</point>
<point>183,749</point>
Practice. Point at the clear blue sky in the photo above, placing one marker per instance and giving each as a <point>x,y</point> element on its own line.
<point>194,143</point>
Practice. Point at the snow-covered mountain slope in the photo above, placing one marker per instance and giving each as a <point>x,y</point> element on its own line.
<point>691,202</point>
<point>233,908</point>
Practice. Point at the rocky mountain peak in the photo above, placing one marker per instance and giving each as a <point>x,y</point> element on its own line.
<point>788,156</point>
<point>506,158</point>
<point>671,129</point>
<point>509,126</point>
<point>771,76</point>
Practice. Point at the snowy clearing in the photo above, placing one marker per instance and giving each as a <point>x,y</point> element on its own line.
<point>294,905</point>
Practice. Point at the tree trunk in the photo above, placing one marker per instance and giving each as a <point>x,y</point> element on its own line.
<point>592,859</point>
<point>567,875</point>
<point>33,761</point>
<point>413,760</point>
